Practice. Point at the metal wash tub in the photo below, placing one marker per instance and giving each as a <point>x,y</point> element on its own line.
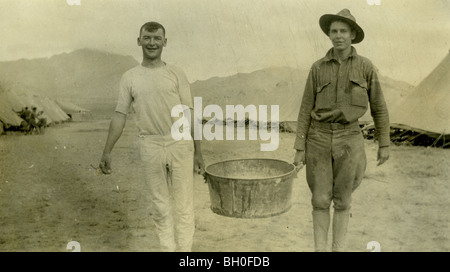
<point>250,188</point>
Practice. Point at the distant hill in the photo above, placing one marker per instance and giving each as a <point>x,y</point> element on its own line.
<point>282,86</point>
<point>272,86</point>
<point>81,75</point>
<point>91,77</point>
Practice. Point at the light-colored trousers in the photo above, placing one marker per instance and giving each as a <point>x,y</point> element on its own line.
<point>168,167</point>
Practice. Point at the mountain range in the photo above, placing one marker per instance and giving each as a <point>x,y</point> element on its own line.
<point>91,77</point>
<point>80,76</point>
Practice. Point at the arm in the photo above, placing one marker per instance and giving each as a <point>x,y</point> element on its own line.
<point>382,155</point>
<point>199,165</point>
<point>304,121</point>
<point>299,159</point>
<point>115,131</point>
<point>380,117</point>
<point>186,99</point>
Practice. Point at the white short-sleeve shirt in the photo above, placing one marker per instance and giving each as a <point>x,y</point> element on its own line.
<point>153,93</point>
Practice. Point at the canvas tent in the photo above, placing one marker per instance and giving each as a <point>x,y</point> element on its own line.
<point>31,101</point>
<point>426,109</point>
<point>12,102</point>
<point>52,112</point>
<point>75,112</point>
<point>49,106</point>
<point>394,93</point>
<point>7,114</point>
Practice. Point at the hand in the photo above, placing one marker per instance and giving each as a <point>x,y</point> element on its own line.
<point>105,164</point>
<point>199,165</point>
<point>299,160</point>
<point>383,155</point>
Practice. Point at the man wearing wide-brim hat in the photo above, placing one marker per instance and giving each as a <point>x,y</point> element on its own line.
<point>339,89</point>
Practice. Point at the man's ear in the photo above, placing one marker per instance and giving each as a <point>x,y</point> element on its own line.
<point>353,35</point>
<point>139,41</point>
<point>165,42</point>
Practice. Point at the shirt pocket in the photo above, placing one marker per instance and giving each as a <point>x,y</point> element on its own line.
<point>323,96</point>
<point>359,95</point>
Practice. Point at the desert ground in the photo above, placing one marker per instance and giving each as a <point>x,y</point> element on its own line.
<point>51,193</point>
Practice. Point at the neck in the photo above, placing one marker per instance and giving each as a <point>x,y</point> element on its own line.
<point>152,63</point>
<point>343,54</point>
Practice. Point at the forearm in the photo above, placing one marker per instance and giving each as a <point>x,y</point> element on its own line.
<point>379,111</point>
<point>197,143</point>
<point>382,128</point>
<point>198,146</point>
<point>115,131</point>
<point>199,166</point>
<point>303,123</point>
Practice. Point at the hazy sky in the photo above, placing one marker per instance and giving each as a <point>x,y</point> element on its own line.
<point>405,39</point>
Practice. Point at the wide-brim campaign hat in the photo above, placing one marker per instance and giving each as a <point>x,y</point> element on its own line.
<point>343,15</point>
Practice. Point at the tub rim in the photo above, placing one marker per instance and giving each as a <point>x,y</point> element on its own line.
<point>246,178</point>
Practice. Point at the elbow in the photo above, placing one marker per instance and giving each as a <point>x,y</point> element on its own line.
<point>118,121</point>
<point>118,116</point>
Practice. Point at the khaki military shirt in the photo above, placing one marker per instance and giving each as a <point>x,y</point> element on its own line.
<point>341,93</point>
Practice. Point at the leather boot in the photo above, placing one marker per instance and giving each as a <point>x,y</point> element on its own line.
<point>321,224</point>
<point>340,223</point>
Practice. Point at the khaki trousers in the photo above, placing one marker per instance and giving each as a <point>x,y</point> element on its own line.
<point>335,166</point>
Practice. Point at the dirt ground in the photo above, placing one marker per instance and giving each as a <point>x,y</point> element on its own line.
<point>50,194</point>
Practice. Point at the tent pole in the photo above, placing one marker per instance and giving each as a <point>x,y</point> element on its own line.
<point>435,142</point>
<point>412,138</point>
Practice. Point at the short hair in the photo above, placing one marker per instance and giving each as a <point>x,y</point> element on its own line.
<point>152,27</point>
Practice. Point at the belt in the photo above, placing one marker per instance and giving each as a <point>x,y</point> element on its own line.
<point>334,126</point>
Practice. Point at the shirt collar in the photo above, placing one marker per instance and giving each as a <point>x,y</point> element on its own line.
<point>331,56</point>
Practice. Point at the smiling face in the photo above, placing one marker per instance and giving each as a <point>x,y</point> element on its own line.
<point>341,35</point>
<point>152,43</point>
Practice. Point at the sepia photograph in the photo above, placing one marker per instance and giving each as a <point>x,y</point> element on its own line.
<point>224,126</point>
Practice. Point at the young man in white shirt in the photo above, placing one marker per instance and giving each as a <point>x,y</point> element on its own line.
<point>153,89</point>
